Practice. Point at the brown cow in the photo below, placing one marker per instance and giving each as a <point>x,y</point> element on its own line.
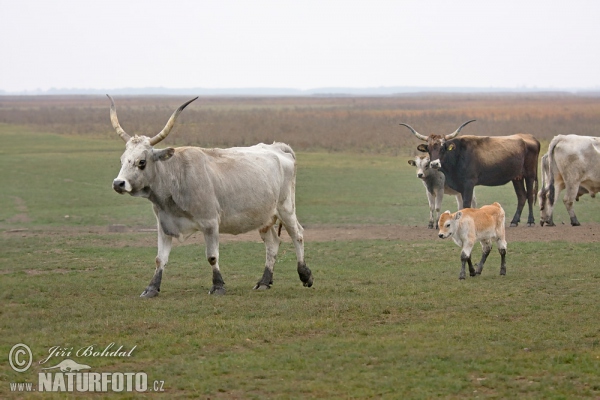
<point>469,161</point>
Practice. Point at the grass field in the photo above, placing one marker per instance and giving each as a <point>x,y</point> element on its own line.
<point>385,318</point>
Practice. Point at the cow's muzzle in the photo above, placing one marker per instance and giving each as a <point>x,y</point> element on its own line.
<point>437,164</point>
<point>121,186</point>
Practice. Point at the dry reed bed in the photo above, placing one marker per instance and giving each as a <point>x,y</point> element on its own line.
<point>357,124</point>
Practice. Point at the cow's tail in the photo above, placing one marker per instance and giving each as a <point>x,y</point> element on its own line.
<point>286,148</point>
<point>550,187</point>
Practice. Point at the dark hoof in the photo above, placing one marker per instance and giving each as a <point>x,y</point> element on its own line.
<point>430,226</point>
<point>472,273</point>
<point>217,290</point>
<point>308,283</point>
<point>514,224</point>
<point>262,286</point>
<point>531,224</point>
<point>575,224</point>
<point>461,278</point>
<point>305,275</point>
<point>502,273</point>
<point>149,293</point>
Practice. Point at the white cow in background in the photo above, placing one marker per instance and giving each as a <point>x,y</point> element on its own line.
<point>572,163</point>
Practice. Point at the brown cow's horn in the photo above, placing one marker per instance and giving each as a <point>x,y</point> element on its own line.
<point>163,134</point>
<point>453,134</point>
<point>115,121</point>
<point>417,134</point>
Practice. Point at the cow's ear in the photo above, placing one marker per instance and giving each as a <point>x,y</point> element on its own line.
<point>457,215</point>
<point>423,148</point>
<point>412,162</point>
<point>164,154</point>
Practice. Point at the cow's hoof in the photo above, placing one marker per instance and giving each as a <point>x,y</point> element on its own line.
<point>305,275</point>
<point>149,293</point>
<point>531,224</point>
<point>217,290</point>
<point>262,286</point>
<point>309,282</point>
<point>430,226</point>
<point>514,224</point>
<point>461,278</point>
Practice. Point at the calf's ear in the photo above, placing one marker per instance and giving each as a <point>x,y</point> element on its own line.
<point>412,162</point>
<point>164,154</point>
<point>458,215</point>
<point>423,148</point>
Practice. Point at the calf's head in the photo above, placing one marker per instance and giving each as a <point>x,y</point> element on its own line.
<point>422,164</point>
<point>139,159</point>
<point>436,144</point>
<point>448,224</point>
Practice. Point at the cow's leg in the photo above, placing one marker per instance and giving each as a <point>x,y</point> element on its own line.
<point>459,201</point>
<point>486,248</point>
<point>431,200</point>
<point>164,249</point>
<point>269,236</point>
<point>521,199</point>
<point>465,257</point>
<point>211,238</point>
<point>530,200</point>
<point>287,215</point>
<point>570,194</point>
<point>467,195</point>
<point>502,249</point>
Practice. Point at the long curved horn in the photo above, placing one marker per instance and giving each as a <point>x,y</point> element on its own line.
<point>417,134</point>
<point>115,121</point>
<point>163,134</point>
<point>453,134</point>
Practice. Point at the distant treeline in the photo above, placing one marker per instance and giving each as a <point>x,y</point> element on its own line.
<point>358,124</point>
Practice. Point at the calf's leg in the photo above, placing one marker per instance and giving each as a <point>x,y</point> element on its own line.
<point>502,249</point>
<point>465,257</point>
<point>486,248</point>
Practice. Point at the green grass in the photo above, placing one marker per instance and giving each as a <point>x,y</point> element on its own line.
<point>384,319</point>
<point>53,180</point>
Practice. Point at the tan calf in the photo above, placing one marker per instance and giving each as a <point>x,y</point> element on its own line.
<point>469,225</point>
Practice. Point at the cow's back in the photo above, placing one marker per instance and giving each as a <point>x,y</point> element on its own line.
<point>575,160</point>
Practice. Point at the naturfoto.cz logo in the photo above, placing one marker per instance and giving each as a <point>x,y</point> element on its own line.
<point>71,376</point>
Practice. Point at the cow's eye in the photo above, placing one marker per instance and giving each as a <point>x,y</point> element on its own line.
<point>447,225</point>
<point>142,164</point>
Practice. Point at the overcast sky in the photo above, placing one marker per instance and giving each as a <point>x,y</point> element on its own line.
<point>300,44</point>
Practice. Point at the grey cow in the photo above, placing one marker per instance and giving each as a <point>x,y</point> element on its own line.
<point>435,185</point>
<point>213,191</point>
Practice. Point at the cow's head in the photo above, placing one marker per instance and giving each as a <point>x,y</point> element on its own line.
<point>546,198</point>
<point>448,223</point>
<point>436,144</point>
<point>422,164</point>
<point>139,160</point>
